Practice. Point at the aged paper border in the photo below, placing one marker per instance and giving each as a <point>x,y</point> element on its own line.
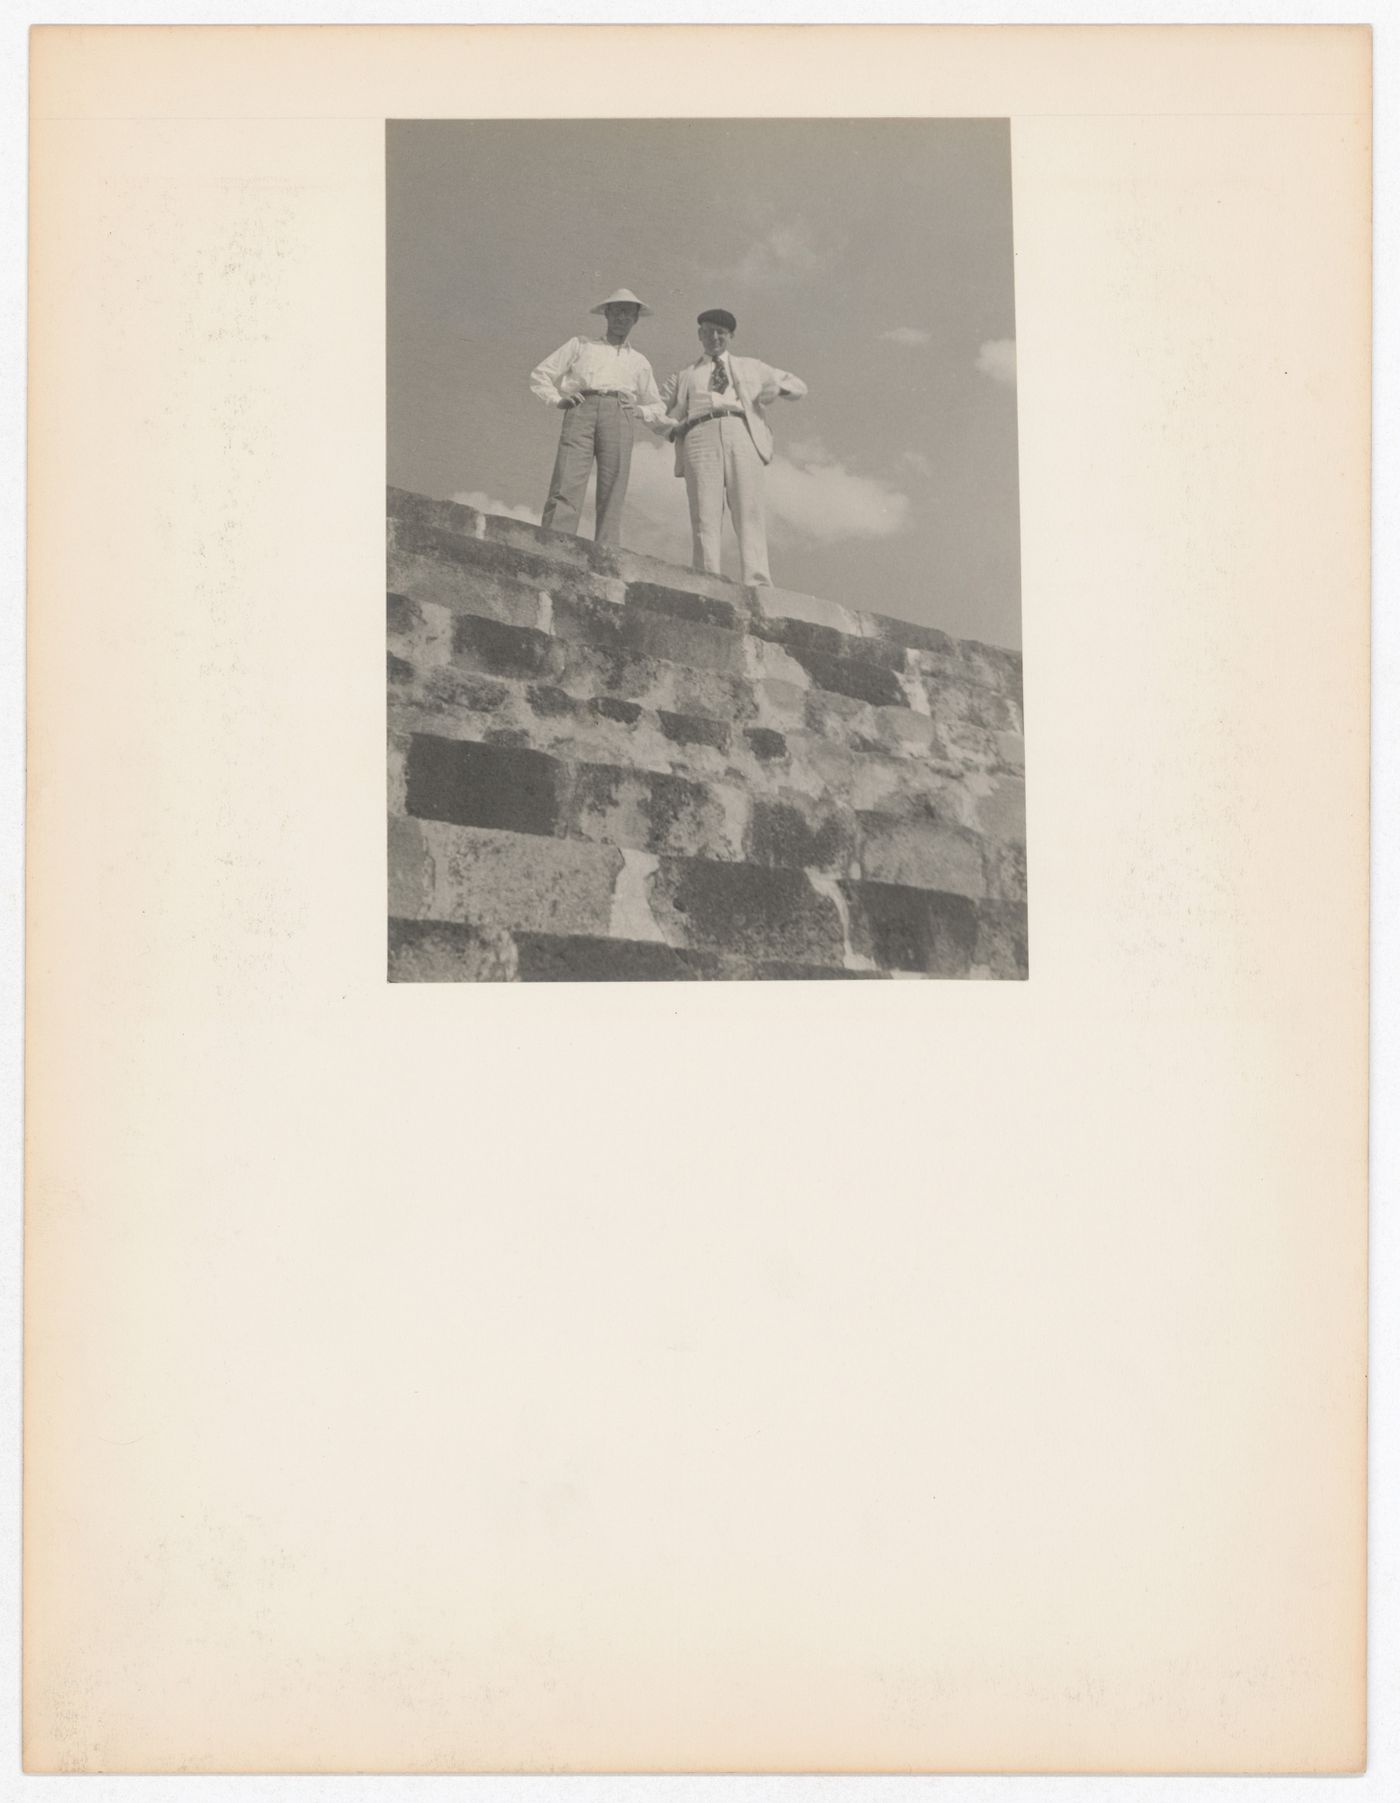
<point>1029,644</point>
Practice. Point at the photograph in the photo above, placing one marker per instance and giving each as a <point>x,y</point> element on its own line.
<point>703,551</point>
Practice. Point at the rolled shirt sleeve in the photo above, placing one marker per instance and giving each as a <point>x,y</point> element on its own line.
<point>651,408</point>
<point>546,379</point>
<point>670,388</point>
<point>789,386</point>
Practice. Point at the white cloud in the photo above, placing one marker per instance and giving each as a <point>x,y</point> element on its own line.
<point>824,501</point>
<point>811,498</point>
<point>484,503</point>
<point>784,253</point>
<point>907,335</point>
<point>997,359</point>
<point>657,520</point>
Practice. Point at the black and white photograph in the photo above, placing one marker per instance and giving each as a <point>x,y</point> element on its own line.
<point>704,612</point>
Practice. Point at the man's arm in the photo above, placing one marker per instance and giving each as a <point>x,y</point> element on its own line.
<point>780,385</point>
<point>545,379</point>
<point>670,403</point>
<point>651,406</point>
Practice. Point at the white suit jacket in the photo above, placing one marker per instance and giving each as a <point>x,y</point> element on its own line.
<point>750,378</point>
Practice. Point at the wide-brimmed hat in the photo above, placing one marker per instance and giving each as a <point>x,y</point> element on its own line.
<point>623,294</point>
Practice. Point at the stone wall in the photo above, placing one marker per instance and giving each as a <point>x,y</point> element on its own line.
<point>606,766</point>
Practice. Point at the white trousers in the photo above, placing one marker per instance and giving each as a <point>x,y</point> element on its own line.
<point>721,464</point>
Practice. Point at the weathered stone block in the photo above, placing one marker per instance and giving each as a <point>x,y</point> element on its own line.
<point>491,785</point>
<point>488,559</point>
<point>549,703</point>
<point>766,661</point>
<point>442,695</point>
<point>912,929</point>
<point>405,508</point>
<point>1006,870</point>
<point>812,610</point>
<point>661,637</point>
<point>693,729</point>
<point>445,951</point>
<point>781,703</point>
<point>711,694</point>
<point>971,747</point>
<point>765,743</point>
<point>464,590</point>
<point>863,681</point>
<point>560,548</point>
<point>648,810</point>
<point>800,833</point>
<point>683,604</point>
<point>398,773</point>
<point>625,713</point>
<point>402,615</point>
<point>910,634</point>
<point>998,668</point>
<point>410,869</point>
<point>1002,814</point>
<point>900,729</point>
<point>498,649</point>
<point>517,880</point>
<point>586,671</point>
<point>835,716</point>
<point>800,636</point>
<point>553,958</point>
<point>636,566</point>
<point>904,787</point>
<point>1001,947</point>
<point>921,854</point>
<point>761,913</point>
<point>693,642</point>
<point>456,696</point>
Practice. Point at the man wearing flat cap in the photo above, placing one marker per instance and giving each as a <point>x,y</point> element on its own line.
<point>601,385</point>
<point>723,442</point>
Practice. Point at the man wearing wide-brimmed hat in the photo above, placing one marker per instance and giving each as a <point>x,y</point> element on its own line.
<point>723,442</point>
<point>602,385</point>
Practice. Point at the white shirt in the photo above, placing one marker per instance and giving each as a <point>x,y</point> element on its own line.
<point>703,398</point>
<point>594,363</point>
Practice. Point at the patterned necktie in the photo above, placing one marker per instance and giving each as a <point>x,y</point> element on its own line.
<point>718,380</point>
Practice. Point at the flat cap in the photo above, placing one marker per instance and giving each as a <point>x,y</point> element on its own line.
<point>717,316</point>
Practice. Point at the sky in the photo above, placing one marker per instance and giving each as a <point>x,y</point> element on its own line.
<point>873,258</point>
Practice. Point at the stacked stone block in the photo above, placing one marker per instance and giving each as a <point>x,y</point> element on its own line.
<point>606,766</point>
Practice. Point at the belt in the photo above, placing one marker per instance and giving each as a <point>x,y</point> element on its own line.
<point>604,394</point>
<point>702,419</point>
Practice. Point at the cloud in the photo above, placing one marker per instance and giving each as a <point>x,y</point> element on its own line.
<point>784,253</point>
<point>820,499</point>
<point>811,498</point>
<point>917,460</point>
<point>997,359</point>
<point>484,503</point>
<point>907,335</point>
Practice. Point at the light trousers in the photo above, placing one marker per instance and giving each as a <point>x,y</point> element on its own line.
<point>599,427</point>
<point>721,463</point>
